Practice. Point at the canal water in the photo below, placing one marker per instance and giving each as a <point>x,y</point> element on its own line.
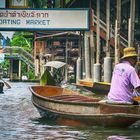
<point>19,120</point>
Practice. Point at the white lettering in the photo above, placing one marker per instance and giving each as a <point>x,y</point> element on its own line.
<point>38,22</point>
<point>10,21</point>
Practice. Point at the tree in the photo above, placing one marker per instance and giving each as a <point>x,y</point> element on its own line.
<point>20,41</point>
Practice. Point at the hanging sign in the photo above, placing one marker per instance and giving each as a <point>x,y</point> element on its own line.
<point>18,4</point>
<point>59,19</point>
<point>1,57</point>
<point>2,4</point>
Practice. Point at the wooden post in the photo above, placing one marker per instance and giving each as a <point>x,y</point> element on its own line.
<point>131,24</point>
<point>11,69</point>
<point>92,46</point>
<point>118,29</point>
<point>98,33</point>
<point>116,43</point>
<point>97,66</point>
<point>117,32</point>
<point>129,33</point>
<point>79,64</point>
<point>107,60</point>
<point>87,56</point>
<point>19,70</point>
<point>66,59</point>
<point>108,28</point>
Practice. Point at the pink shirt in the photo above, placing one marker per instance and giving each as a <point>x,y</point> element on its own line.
<point>124,80</point>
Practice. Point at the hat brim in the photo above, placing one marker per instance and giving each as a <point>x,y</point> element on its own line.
<point>126,56</point>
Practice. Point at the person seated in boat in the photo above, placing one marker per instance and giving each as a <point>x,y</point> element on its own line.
<point>125,83</point>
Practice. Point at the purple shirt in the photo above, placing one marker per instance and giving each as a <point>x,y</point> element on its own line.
<point>124,80</point>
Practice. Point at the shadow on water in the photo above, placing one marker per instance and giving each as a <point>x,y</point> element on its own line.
<point>45,121</point>
<point>93,132</point>
<point>60,132</point>
<point>19,120</point>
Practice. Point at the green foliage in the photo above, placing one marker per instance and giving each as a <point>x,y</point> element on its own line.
<point>44,3</point>
<point>20,40</point>
<point>24,69</point>
<point>24,40</point>
<point>31,75</point>
<point>39,3</point>
<point>5,64</point>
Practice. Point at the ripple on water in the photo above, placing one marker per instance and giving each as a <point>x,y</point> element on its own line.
<point>19,120</point>
<point>17,114</point>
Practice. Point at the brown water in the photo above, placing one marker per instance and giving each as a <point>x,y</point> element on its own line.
<point>19,120</point>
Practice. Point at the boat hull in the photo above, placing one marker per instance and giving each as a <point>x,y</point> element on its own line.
<point>105,120</point>
<point>83,109</point>
<point>95,87</point>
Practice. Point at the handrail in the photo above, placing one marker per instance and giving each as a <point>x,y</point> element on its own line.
<point>23,55</point>
<point>123,41</point>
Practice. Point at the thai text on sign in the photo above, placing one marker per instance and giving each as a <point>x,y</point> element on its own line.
<point>77,19</point>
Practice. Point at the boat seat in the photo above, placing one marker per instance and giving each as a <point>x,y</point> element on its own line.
<point>74,98</point>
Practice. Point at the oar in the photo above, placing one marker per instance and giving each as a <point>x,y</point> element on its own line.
<point>6,83</point>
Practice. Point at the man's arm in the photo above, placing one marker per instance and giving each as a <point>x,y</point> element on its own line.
<point>135,81</point>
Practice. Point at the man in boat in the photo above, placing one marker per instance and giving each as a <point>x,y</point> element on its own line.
<point>125,84</point>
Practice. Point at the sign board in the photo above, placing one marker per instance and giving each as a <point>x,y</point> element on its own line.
<point>53,19</point>
<point>1,57</point>
<point>2,3</point>
<point>18,3</point>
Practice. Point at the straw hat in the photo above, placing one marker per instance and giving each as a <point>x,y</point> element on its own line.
<point>129,52</point>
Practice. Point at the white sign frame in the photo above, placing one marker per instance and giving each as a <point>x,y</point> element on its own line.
<point>42,19</point>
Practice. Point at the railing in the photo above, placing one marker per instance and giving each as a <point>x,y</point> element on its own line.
<point>103,26</point>
<point>21,54</point>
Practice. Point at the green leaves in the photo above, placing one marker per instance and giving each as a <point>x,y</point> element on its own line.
<point>20,40</point>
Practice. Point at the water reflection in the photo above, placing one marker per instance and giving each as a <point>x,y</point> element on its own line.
<point>19,120</point>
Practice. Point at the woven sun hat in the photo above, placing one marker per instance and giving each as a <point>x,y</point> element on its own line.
<point>129,52</point>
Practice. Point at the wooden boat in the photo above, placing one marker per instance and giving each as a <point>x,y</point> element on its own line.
<point>96,87</point>
<point>59,104</point>
<point>53,74</point>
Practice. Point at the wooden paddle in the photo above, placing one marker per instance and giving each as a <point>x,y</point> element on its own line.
<point>6,83</point>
